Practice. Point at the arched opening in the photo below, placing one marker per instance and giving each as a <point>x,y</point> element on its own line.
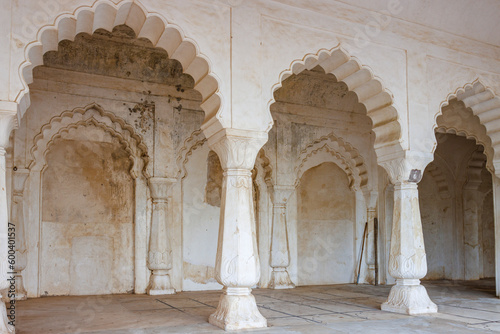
<point>331,118</point>
<point>456,198</point>
<point>151,27</point>
<point>151,88</point>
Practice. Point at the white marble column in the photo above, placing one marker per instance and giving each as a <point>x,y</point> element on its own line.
<point>237,265</point>
<point>159,256</point>
<point>280,253</point>
<point>407,260</point>
<point>8,121</point>
<point>19,180</point>
<point>472,202</point>
<point>496,210</point>
<point>371,198</point>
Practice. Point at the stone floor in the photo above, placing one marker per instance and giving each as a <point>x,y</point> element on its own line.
<point>464,307</point>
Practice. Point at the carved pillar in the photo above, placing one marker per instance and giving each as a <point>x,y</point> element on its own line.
<point>280,254</point>
<point>472,200</point>
<point>19,180</point>
<point>237,265</point>
<point>8,121</point>
<point>496,210</point>
<point>159,256</point>
<point>371,198</point>
<point>407,261</point>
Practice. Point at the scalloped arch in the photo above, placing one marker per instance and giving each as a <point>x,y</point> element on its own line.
<point>484,104</point>
<point>106,15</point>
<point>193,142</point>
<point>332,149</point>
<point>265,162</point>
<point>359,79</point>
<point>91,115</point>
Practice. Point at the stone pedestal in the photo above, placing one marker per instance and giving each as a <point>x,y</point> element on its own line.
<point>159,255</point>
<point>407,262</point>
<point>8,121</point>
<point>280,254</point>
<point>237,264</point>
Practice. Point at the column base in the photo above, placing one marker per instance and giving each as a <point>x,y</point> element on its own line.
<point>160,284</point>
<point>5,328</point>
<point>280,279</point>
<point>21,293</point>
<point>237,309</point>
<point>409,297</point>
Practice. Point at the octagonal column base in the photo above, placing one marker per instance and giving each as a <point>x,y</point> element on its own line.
<point>160,284</point>
<point>409,297</point>
<point>280,279</point>
<point>237,309</point>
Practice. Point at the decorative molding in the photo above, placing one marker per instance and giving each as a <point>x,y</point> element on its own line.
<point>377,100</point>
<point>8,122</point>
<point>194,141</point>
<point>338,151</point>
<point>237,149</point>
<point>267,170</point>
<point>106,15</point>
<point>91,115</point>
<point>408,167</point>
<point>474,170</point>
<point>436,172</point>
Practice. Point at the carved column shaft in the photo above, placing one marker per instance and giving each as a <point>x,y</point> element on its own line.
<point>496,209</point>
<point>159,255</point>
<point>8,121</point>
<point>280,254</point>
<point>472,200</point>
<point>237,264</point>
<point>19,180</point>
<point>407,260</point>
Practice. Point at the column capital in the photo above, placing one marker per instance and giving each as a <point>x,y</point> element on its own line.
<point>19,179</point>
<point>406,167</point>
<point>160,187</point>
<point>371,198</point>
<point>237,149</point>
<point>281,193</point>
<point>8,122</point>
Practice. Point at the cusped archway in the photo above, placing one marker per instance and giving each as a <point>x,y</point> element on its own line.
<point>480,101</point>
<point>370,92</point>
<point>151,26</point>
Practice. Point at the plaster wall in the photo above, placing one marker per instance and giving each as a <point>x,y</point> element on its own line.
<point>87,244</point>
<point>325,227</point>
<point>200,221</point>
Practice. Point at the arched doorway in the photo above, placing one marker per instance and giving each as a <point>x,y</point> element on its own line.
<point>457,211</point>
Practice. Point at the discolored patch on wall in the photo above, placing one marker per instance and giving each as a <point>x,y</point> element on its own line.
<point>87,217</point>
<point>118,54</point>
<point>199,273</point>
<point>88,182</point>
<point>314,88</point>
<point>215,175</point>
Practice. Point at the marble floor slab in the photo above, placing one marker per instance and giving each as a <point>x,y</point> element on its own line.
<point>464,307</point>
